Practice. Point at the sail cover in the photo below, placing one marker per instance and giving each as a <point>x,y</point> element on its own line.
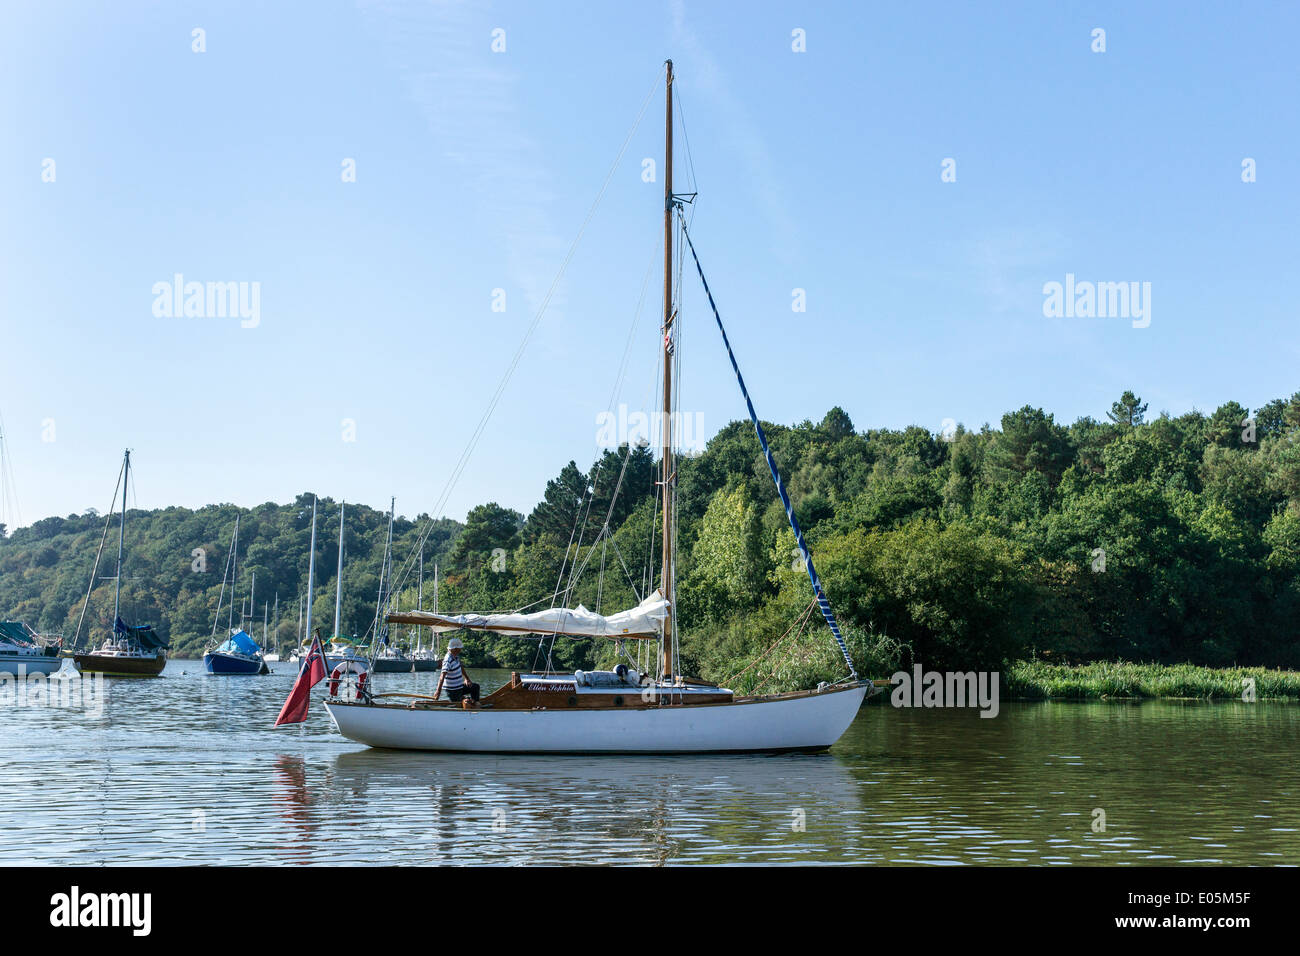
<point>239,643</point>
<point>16,632</point>
<point>148,639</point>
<point>643,622</point>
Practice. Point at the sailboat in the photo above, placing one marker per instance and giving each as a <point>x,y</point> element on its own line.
<point>425,659</point>
<point>23,652</point>
<point>129,651</point>
<point>270,649</point>
<point>340,648</point>
<point>238,654</point>
<point>386,657</point>
<point>619,711</point>
<point>300,647</point>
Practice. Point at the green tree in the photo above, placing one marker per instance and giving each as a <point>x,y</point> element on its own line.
<point>1226,425</point>
<point>557,513</point>
<point>1128,412</point>
<point>1030,441</point>
<point>957,596</point>
<point>487,528</point>
<point>728,562</point>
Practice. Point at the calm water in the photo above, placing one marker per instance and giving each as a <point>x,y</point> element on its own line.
<point>186,769</point>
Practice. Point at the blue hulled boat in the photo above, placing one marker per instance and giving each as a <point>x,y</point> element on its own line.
<point>238,655</point>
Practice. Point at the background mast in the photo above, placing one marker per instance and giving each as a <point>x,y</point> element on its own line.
<point>121,532</point>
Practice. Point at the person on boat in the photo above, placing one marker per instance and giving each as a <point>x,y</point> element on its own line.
<point>454,677</point>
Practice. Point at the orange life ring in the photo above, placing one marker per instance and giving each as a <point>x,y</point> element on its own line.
<point>349,668</point>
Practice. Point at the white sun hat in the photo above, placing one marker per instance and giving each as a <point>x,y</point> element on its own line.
<point>454,644</point>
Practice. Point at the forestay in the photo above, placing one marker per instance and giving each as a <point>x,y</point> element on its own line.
<point>804,553</point>
<point>643,622</point>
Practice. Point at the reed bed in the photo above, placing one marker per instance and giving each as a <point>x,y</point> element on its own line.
<point>1035,680</point>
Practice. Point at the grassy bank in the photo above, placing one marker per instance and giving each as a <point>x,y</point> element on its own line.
<point>1035,680</point>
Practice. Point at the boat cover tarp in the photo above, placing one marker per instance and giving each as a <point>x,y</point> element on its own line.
<point>239,643</point>
<point>15,632</point>
<point>642,622</point>
<point>145,635</point>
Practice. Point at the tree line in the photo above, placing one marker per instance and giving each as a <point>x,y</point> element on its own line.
<point>1125,537</point>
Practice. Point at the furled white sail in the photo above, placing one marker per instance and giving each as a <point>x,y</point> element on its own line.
<point>643,622</point>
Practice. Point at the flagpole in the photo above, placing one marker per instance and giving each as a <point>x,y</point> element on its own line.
<point>311,565</point>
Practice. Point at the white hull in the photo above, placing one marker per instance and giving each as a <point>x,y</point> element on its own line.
<point>810,721</point>
<point>13,664</point>
<point>331,660</point>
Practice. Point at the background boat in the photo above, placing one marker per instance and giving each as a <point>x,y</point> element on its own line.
<point>238,654</point>
<point>392,660</point>
<point>340,648</point>
<point>131,651</point>
<point>425,659</point>
<point>270,650</point>
<point>21,647</point>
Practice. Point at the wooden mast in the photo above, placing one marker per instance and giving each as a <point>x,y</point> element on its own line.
<point>667,474</point>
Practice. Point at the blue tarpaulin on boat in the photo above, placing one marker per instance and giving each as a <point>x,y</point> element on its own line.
<point>240,643</point>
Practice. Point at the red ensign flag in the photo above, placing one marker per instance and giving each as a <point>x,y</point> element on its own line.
<point>295,706</point>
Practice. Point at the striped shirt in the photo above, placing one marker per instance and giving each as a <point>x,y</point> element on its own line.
<point>453,675</point>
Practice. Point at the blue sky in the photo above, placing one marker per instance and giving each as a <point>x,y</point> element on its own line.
<point>817,170</point>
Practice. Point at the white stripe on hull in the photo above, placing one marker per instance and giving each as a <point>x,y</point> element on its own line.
<point>811,722</point>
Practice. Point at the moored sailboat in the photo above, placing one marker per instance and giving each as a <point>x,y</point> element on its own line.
<point>392,660</point>
<point>341,647</point>
<point>387,657</point>
<point>129,651</point>
<point>623,710</point>
<point>425,659</point>
<point>270,647</point>
<point>238,654</point>
<point>23,652</point>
